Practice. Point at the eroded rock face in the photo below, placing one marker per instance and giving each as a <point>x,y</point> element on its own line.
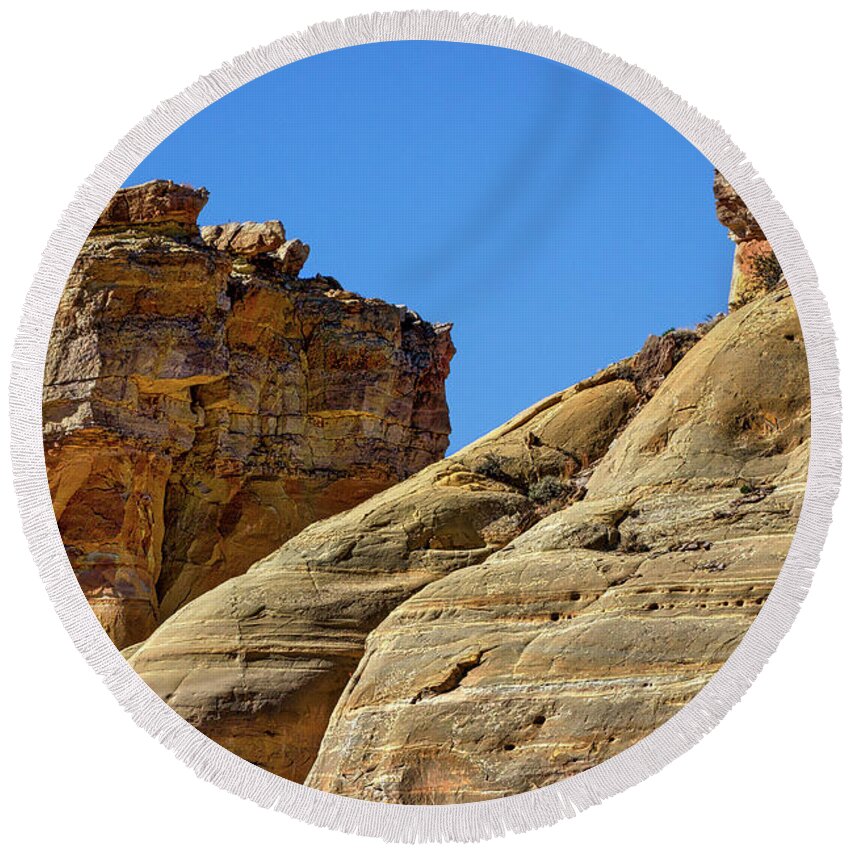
<point>530,606</point>
<point>202,404</point>
<point>756,270</point>
<point>155,202</point>
<point>259,663</point>
<point>598,623</point>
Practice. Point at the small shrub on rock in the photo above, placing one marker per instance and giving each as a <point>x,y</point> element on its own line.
<point>490,466</point>
<point>547,489</point>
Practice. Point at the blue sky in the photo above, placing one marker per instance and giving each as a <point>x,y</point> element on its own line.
<point>555,221</point>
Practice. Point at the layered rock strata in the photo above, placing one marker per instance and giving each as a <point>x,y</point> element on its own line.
<point>597,624</point>
<point>202,404</point>
<point>530,606</point>
<point>259,663</point>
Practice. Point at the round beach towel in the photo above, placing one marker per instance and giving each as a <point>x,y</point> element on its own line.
<point>422,424</point>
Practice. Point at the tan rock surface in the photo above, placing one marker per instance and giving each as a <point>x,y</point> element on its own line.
<point>756,271</point>
<point>247,239</point>
<point>202,405</point>
<point>259,663</point>
<point>528,607</point>
<point>598,623</point>
<point>155,202</point>
<point>291,256</point>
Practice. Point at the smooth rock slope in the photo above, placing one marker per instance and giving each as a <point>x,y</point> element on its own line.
<point>259,663</point>
<point>597,624</point>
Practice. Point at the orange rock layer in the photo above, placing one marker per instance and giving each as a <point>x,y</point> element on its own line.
<point>202,403</point>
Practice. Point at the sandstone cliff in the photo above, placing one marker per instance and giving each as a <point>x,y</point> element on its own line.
<point>202,403</point>
<point>756,270</point>
<point>535,603</point>
<point>259,663</point>
<point>597,624</point>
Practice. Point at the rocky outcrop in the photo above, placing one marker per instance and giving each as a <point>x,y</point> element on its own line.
<point>155,203</point>
<point>529,606</point>
<point>259,663</point>
<point>756,271</point>
<point>598,623</point>
<point>202,404</point>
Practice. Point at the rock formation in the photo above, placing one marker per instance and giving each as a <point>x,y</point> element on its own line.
<point>530,606</point>
<point>598,623</point>
<point>202,403</point>
<point>756,270</point>
<point>259,663</point>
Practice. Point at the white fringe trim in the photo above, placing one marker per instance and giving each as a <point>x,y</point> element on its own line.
<point>468,821</point>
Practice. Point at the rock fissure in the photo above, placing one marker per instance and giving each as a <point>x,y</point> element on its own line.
<point>453,679</point>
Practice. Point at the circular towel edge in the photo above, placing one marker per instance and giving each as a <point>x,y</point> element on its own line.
<point>465,821</point>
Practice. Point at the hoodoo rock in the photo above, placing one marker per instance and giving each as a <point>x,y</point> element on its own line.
<point>202,404</point>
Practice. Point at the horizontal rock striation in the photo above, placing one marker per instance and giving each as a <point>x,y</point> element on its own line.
<point>259,663</point>
<point>531,605</point>
<point>598,623</point>
<point>202,404</point>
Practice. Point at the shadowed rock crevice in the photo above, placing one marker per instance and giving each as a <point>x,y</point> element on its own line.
<point>453,679</point>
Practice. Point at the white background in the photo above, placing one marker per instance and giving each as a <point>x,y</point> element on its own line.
<point>76,77</point>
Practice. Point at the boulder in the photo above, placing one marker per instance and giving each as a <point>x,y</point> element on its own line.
<point>156,202</point>
<point>245,239</point>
